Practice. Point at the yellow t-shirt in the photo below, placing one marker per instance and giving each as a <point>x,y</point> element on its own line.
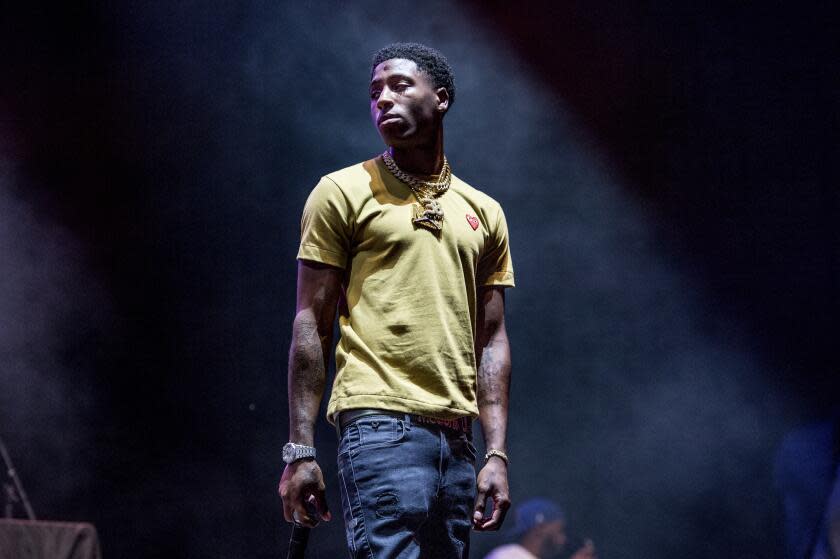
<point>408,311</point>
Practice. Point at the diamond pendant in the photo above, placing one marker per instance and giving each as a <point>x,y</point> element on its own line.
<point>429,215</point>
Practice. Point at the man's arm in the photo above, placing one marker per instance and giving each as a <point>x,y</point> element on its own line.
<point>493,384</point>
<point>318,287</point>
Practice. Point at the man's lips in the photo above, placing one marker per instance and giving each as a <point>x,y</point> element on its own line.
<point>387,118</point>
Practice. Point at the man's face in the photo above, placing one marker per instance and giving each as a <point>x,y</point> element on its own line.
<point>554,537</point>
<point>405,107</point>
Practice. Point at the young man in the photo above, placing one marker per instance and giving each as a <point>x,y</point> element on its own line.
<point>416,262</point>
<point>539,532</point>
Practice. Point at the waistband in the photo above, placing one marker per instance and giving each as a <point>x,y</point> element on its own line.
<point>345,418</point>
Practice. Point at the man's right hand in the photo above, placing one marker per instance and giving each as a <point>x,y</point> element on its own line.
<point>585,552</point>
<point>302,481</point>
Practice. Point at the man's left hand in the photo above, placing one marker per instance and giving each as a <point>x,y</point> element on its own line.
<point>492,483</point>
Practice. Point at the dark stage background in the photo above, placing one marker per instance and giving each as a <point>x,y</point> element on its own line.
<point>668,174</point>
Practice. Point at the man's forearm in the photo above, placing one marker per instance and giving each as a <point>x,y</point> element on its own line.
<point>493,387</point>
<point>307,377</point>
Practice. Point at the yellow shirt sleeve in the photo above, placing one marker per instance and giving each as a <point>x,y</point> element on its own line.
<point>326,226</point>
<point>495,266</point>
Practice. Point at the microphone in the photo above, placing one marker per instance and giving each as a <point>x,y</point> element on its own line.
<point>298,541</point>
<point>300,533</point>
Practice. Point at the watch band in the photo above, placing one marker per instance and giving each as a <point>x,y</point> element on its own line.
<point>292,452</point>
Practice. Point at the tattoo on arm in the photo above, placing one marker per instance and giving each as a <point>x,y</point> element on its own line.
<point>493,386</point>
<point>307,377</point>
<point>490,378</point>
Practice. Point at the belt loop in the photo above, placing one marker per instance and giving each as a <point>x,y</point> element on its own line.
<point>407,421</point>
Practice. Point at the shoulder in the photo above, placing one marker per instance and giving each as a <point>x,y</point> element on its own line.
<point>510,551</point>
<point>476,198</point>
<point>355,178</point>
<point>346,188</point>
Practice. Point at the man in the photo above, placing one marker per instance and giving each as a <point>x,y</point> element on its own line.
<point>416,262</point>
<point>540,533</point>
<point>807,472</point>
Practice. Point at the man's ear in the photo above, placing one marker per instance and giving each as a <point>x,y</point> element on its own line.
<point>443,99</point>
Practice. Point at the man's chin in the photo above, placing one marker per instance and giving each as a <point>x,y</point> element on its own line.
<point>400,139</point>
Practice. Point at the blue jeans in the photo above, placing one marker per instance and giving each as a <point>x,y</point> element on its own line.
<point>407,490</point>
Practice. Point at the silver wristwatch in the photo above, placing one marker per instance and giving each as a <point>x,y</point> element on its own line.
<point>293,452</point>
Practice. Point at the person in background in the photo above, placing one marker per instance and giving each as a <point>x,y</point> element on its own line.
<point>807,473</point>
<point>540,533</point>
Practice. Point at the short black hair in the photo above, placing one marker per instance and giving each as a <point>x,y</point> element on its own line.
<point>430,61</point>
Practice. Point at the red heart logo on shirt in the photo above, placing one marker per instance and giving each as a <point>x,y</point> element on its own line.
<point>473,221</point>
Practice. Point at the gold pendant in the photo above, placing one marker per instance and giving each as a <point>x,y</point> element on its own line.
<point>429,215</point>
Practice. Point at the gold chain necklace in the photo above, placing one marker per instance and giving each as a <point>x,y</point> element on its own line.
<point>428,213</point>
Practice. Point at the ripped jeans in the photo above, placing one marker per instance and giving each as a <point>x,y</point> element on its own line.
<point>407,490</point>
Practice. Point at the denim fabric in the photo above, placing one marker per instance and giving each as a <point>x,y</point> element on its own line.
<point>407,490</point>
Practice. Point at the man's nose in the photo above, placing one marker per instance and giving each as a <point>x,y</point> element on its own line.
<point>384,100</point>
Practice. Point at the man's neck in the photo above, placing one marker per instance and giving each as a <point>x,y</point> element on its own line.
<point>422,159</point>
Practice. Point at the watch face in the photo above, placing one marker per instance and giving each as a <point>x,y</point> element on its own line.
<point>288,453</point>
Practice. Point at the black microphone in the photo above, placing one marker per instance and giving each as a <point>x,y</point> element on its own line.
<point>298,541</point>
<point>300,533</point>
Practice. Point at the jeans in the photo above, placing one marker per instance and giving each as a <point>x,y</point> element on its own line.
<point>407,490</point>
